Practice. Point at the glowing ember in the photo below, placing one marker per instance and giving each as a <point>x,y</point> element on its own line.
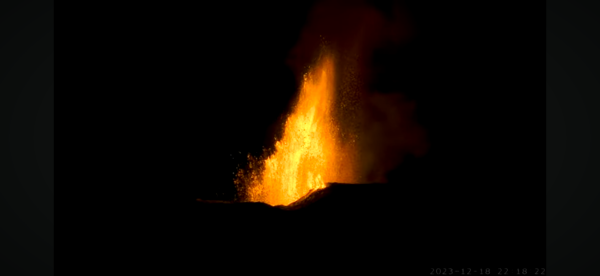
<point>310,152</point>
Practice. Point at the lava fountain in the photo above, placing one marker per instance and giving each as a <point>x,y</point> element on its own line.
<point>312,150</point>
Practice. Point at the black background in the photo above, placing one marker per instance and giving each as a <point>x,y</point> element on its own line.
<point>571,131</point>
<point>214,83</point>
<point>26,138</point>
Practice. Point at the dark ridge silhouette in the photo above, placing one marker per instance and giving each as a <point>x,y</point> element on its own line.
<point>366,225</point>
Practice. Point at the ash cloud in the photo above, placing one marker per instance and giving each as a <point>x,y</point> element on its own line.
<point>388,134</point>
<point>381,124</point>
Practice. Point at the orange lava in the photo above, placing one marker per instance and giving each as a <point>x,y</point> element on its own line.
<point>310,152</point>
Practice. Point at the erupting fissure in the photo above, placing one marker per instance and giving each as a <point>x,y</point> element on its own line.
<point>310,153</point>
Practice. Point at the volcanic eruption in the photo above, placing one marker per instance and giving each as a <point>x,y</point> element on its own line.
<point>311,151</point>
<point>338,129</point>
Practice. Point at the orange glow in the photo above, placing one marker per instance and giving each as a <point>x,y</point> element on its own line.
<point>310,152</point>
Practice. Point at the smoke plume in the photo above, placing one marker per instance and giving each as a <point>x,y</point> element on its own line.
<point>380,124</point>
